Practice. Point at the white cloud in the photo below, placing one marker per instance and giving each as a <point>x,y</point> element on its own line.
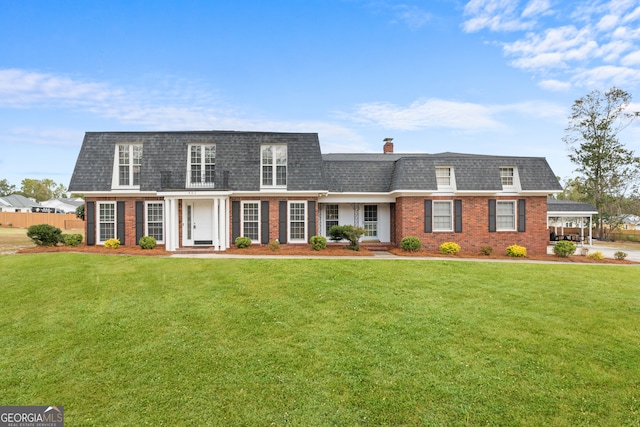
<point>412,16</point>
<point>604,76</point>
<point>633,59</point>
<point>555,85</point>
<point>502,15</point>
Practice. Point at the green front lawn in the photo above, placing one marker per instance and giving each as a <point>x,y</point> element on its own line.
<point>187,342</point>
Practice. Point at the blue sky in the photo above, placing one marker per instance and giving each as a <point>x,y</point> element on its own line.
<point>480,76</point>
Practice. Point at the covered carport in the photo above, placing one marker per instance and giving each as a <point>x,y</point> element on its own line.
<point>560,213</point>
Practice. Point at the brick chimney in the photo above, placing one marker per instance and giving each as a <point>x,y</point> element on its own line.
<point>388,146</point>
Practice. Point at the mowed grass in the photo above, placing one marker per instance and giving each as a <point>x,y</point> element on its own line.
<point>124,341</point>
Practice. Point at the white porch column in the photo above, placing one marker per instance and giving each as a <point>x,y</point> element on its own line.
<point>171,229</point>
<point>216,224</point>
<point>224,224</point>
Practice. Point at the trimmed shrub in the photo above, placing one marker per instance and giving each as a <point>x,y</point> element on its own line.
<point>620,255</point>
<point>71,239</point>
<point>273,245</point>
<point>243,242</point>
<point>148,242</point>
<point>517,251</point>
<point>44,234</point>
<point>486,250</point>
<point>318,243</point>
<point>411,244</point>
<point>347,232</point>
<point>450,248</point>
<point>112,244</point>
<point>598,256</point>
<point>564,248</point>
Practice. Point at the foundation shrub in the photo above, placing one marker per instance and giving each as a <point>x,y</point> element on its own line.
<point>598,256</point>
<point>148,242</point>
<point>411,244</point>
<point>44,234</point>
<point>517,251</point>
<point>112,244</point>
<point>71,239</point>
<point>564,248</point>
<point>486,250</point>
<point>619,255</point>
<point>318,243</point>
<point>347,232</point>
<point>273,245</point>
<point>243,242</point>
<point>450,248</point>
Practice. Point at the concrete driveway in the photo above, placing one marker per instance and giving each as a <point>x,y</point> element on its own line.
<point>607,250</point>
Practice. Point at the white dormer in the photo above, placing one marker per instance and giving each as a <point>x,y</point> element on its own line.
<point>445,178</point>
<point>126,166</point>
<point>510,179</point>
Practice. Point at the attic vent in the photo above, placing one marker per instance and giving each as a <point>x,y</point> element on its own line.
<point>388,146</point>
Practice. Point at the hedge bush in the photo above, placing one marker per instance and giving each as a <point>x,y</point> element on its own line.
<point>44,234</point>
<point>243,242</point>
<point>347,232</point>
<point>564,248</point>
<point>411,244</point>
<point>148,242</point>
<point>318,243</point>
<point>71,239</point>
<point>619,255</point>
<point>273,245</point>
<point>598,256</point>
<point>450,248</point>
<point>486,250</point>
<point>112,244</point>
<point>517,251</point>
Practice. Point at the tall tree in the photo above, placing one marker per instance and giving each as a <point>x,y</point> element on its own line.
<point>6,188</point>
<point>41,190</point>
<point>609,169</point>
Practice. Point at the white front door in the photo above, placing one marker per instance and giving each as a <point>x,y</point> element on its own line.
<point>197,223</point>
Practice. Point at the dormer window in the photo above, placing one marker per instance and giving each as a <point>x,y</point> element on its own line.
<point>506,176</point>
<point>201,165</point>
<point>273,164</point>
<point>444,178</point>
<point>129,164</point>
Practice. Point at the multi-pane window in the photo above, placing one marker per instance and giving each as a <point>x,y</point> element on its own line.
<point>297,221</point>
<point>273,163</point>
<point>443,177</point>
<point>506,215</point>
<point>202,164</point>
<point>331,213</point>
<point>442,216</point>
<point>371,220</point>
<point>251,220</point>
<point>506,176</point>
<point>155,220</point>
<point>129,164</point>
<point>106,221</point>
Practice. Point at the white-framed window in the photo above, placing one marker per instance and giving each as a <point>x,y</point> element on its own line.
<point>251,220</point>
<point>331,216</point>
<point>129,164</point>
<point>506,215</point>
<point>445,178</point>
<point>202,165</point>
<point>106,221</point>
<point>273,165</point>
<point>370,223</point>
<point>442,215</point>
<point>298,222</point>
<point>155,221</point>
<point>506,176</point>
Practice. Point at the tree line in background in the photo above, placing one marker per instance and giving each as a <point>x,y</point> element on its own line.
<point>609,171</point>
<point>38,189</point>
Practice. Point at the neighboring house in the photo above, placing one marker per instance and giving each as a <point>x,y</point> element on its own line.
<point>630,222</point>
<point>18,203</point>
<point>206,188</point>
<point>63,204</point>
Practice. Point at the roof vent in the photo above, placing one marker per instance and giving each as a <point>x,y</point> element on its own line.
<point>388,146</point>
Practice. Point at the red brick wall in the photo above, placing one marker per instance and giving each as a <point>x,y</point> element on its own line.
<point>475,225</point>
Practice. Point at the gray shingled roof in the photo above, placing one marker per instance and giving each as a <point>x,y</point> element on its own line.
<point>559,206</point>
<point>18,201</point>
<point>164,159</point>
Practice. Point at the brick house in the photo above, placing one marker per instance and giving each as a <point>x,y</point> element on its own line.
<point>206,188</point>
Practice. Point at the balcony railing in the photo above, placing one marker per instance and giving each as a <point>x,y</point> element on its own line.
<point>172,181</point>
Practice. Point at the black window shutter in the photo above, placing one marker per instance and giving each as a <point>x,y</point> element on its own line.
<point>264,221</point>
<point>282,222</point>
<point>139,221</point>
<point>312,218</point>
<point>492,215</point>
<point>235,220</point>
<point>90,215</point>
<point>427,216</point>
<point>522,215</point>
<point>120,215</point>
<point>457,212</point>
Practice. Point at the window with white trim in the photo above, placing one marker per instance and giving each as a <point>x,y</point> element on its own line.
<point>370,223</point>
<point>273,164</point>
<point>442,215</point>
<point>251,220</point>
<point>155,221</point>
<point>331,216</point>
<point>106,221</point>
<point>129,158</point>
<point>298,222</point>
<point>506,177</point>
<point>202,165</point>
<point>444,178</point>
<point>506,215</point>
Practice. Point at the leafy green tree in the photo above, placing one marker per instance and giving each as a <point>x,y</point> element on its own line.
<point>609,170</point>
<point>44,189</point>
<point>6,188</point>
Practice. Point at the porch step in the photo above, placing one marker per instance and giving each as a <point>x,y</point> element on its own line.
<point>376,246</point>
<point>196,250</point>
